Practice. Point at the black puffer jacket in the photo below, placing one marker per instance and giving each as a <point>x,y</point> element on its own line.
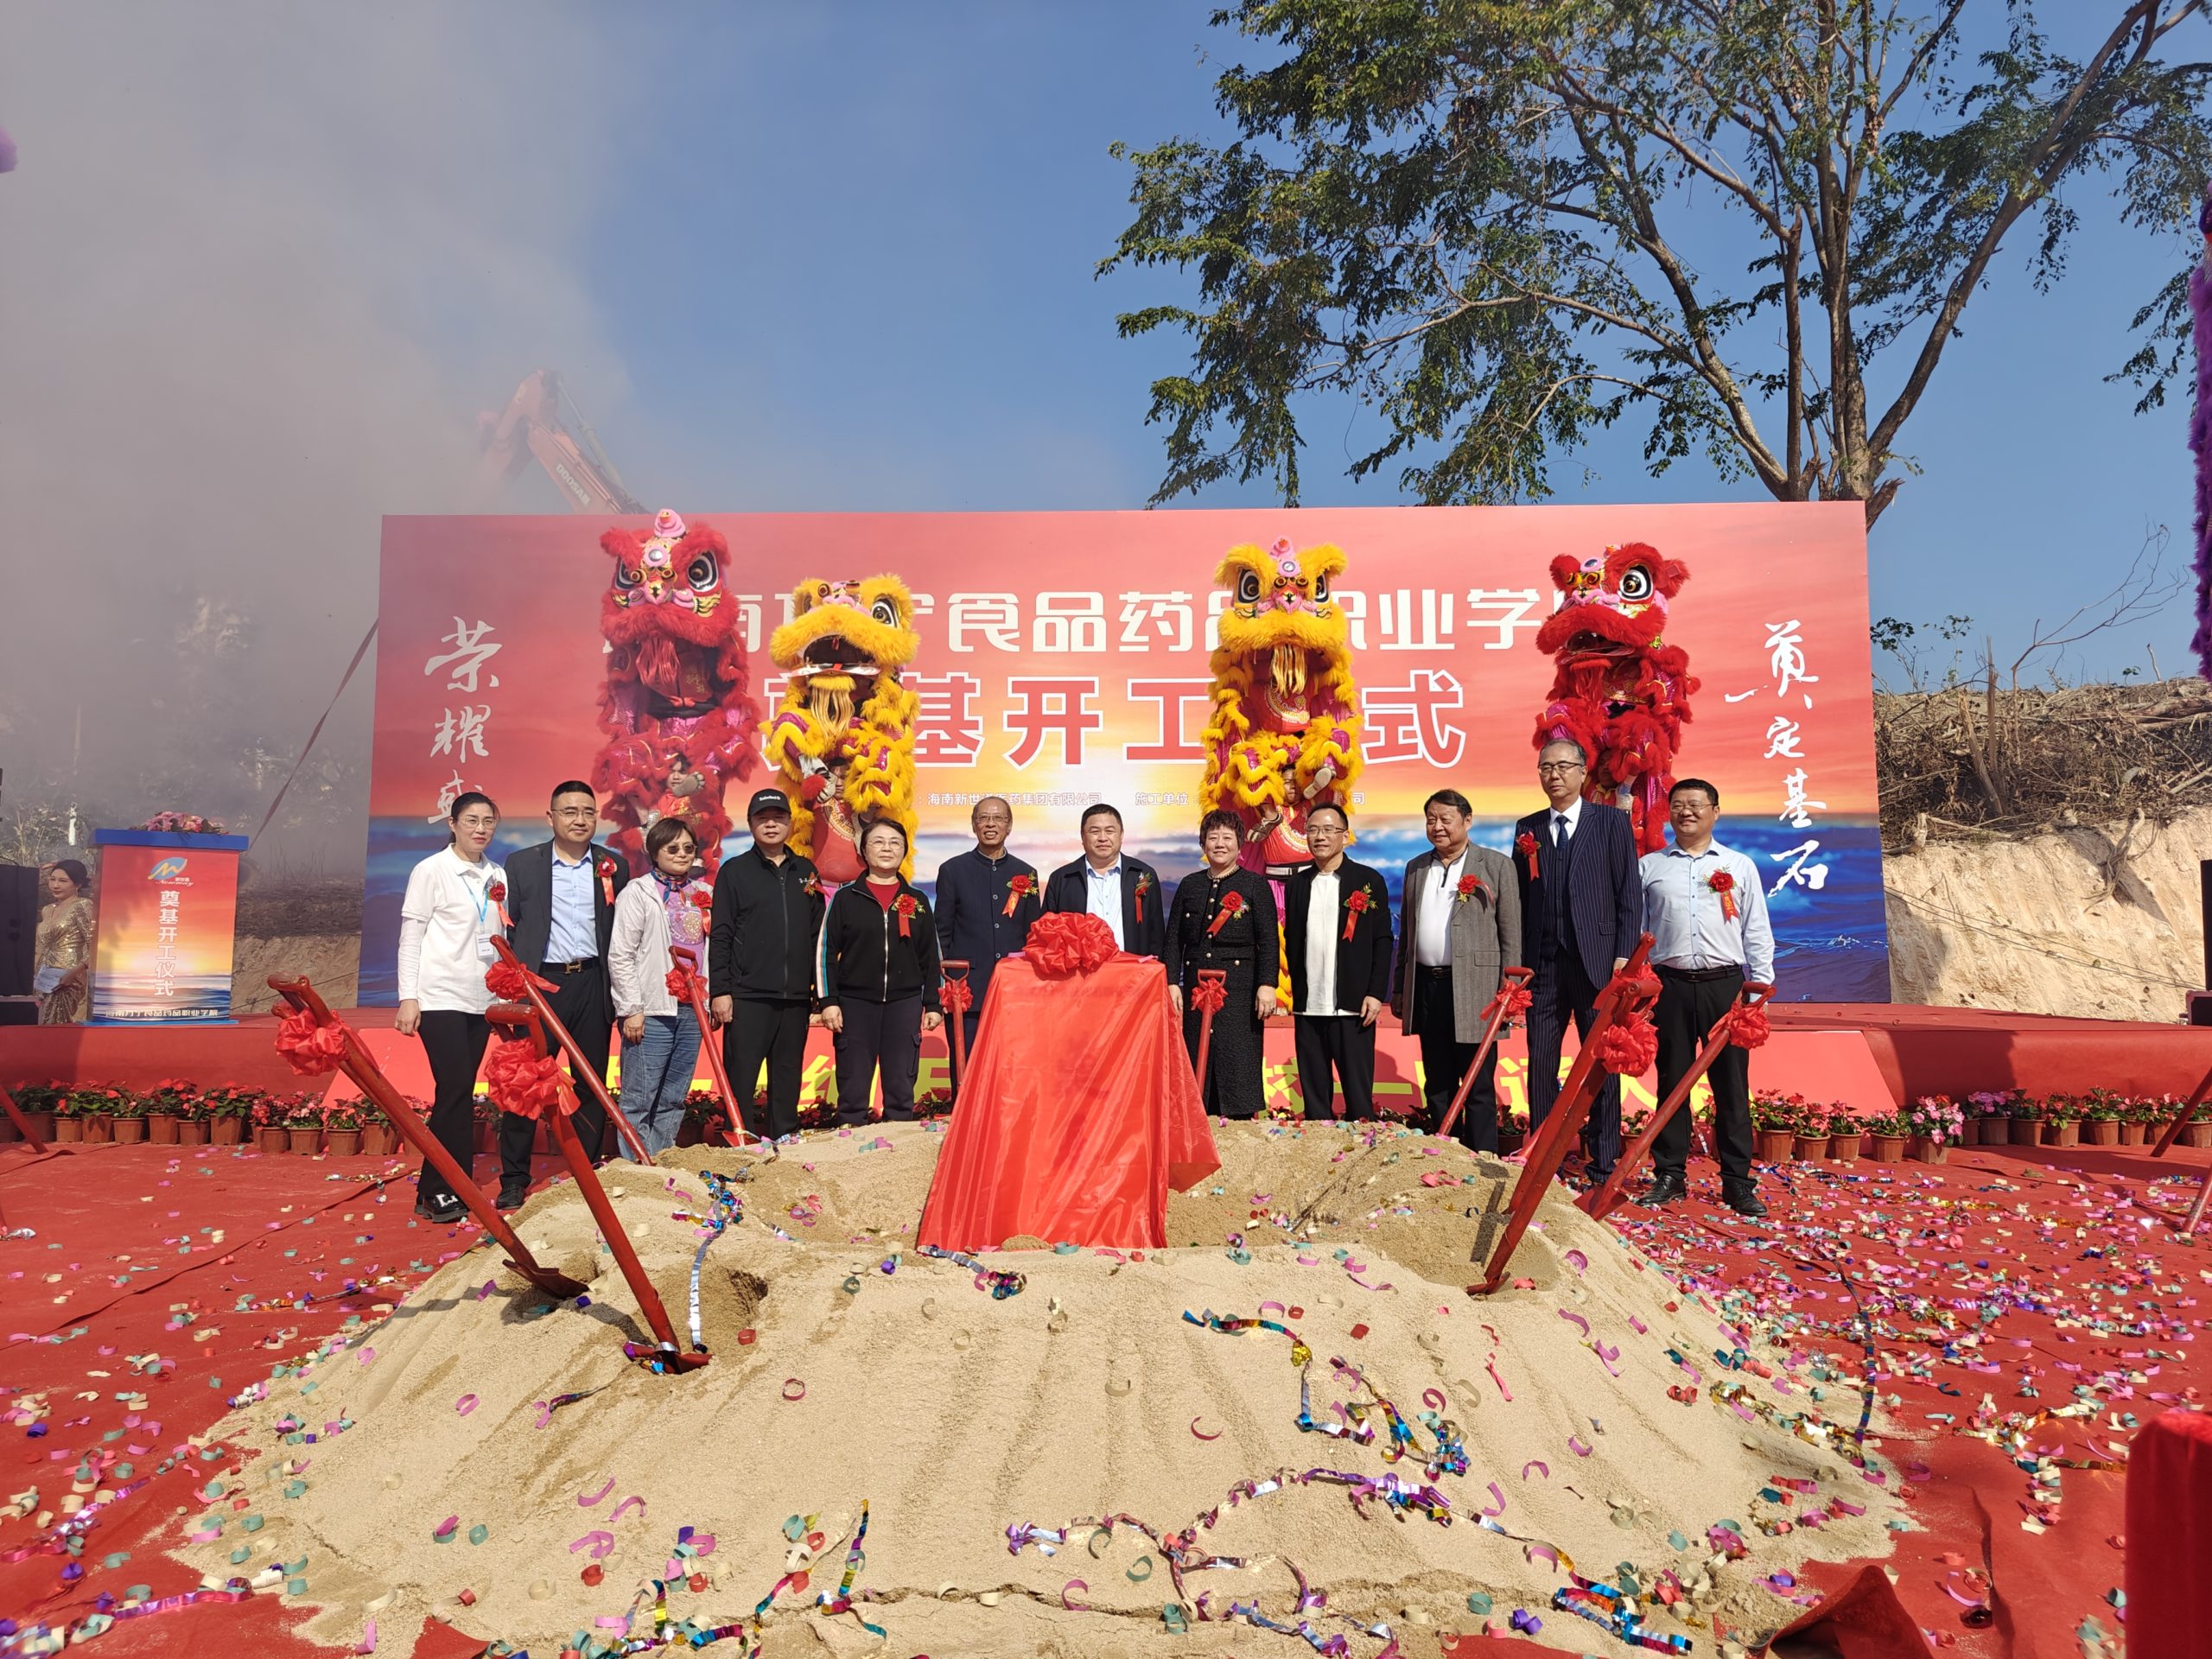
<point>765,918</point>
<point>865,960</point>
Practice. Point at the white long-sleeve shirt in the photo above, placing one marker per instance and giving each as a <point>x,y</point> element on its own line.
<point>447,923</point>
<point>1686,919</point>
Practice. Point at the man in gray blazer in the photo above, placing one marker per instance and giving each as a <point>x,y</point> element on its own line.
<point>1458,929</point>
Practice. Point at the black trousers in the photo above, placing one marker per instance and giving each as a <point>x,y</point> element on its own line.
<point>1561,990</point>
<point>1687,1010</point>
<point>773,1030</point>
<point>888,1034</point>
<point>1343,1045</point>
<point>1445,1060</point>
<point>578,1002</point>
<point>454,1043</point>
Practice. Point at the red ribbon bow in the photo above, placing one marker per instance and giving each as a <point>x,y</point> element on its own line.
<point>1017,890</point>
<point>1723,884</point>
<point>1629,1050</point>
<point>680,981</point>
<point>1070,942</point>
<point>1747,1027</point>
<point>957,995</point>
<point>1525,844</point>
<point>1232,904</point>
<point>311,1048</point>
<point>1355,903</point>
<point>1208,995</point>
<point>1515,998</point>
<point>506,981</point>
<point>524,1082</point>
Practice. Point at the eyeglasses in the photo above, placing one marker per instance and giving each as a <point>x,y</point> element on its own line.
<point>575,812</point>
<point>1558,765</point>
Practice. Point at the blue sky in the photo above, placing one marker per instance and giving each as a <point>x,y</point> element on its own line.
<point>890,219</point>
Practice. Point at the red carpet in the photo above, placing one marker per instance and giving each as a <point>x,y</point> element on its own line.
<point>161,1283</point>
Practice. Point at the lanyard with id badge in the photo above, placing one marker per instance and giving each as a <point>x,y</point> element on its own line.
<point>483,952</point>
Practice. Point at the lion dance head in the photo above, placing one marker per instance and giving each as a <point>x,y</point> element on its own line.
<point>843,703</point>
<point>1618,689</point>
<point>676,707</point>
<point>1284,737</point>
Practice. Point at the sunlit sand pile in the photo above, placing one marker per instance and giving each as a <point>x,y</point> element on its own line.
<point>957,1416</point>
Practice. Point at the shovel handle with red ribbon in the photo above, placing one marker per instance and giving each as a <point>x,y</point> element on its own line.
<point>1620,1003</point>
<point>1739,1025</point>
<point>1512,997</point>
<point>958,996</point>
<point>2182,1114</point>
<point>533,995</point>
<point>685,985</point>
<point>23,1127</point>
<point>554,1111</point>
<point>316,1041</point>
<point>1207,997</point>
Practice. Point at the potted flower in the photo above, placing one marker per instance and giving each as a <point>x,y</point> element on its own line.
<point>128,1114</point>
<point>95,1104</point>
<point>37,1102</point>
<point>1889,1136</point>
<point>2062,1121</point>
<point>1989,1117</point>
<point>488,1125</point>
<point>379,1138</point>
<point>1775,1118</point>
<point>2197,1132</point>
<point>2025,1117</point>
<point>165,1108</point>
<point>1811,1143</point>
<point>69,1115</point>
<point>1936,1124</point>
<point>1513,1132</point>
<point>1846,1135</point>
<point>230,1110</point>
<point>341,1127</point>
<point>2135,1118</point>
<point>267,1116</point>
<point>2101,1110</point>
<point>192,1121</point>
<point>303,1121</point>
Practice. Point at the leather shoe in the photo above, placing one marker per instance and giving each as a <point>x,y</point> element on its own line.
<point>510,1199</point>
<point>442,1214</point>
<point>1744,1202</point>
<point>1664,1189</point>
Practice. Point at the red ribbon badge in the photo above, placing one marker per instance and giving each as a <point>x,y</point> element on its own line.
<point>1470,884</point>
<point>1723,884</point>
<point>1143,881</point>
<point>497,892</point>
<point>1017,890</point>
<point>606,879</point>
<point>1232,904</point>
<point>1525,844</point>
<point>1355,905</point>
<point>905,908</point>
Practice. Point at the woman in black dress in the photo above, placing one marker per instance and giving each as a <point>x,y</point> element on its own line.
<point>1224,916</point>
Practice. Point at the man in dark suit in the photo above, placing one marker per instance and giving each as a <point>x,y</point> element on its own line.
<point>1337,936</point>
<point>1124,892</point>
<point>985,900</point>
<point>1582,900</point>
<point>1459,930</point>
<point>560,897</point>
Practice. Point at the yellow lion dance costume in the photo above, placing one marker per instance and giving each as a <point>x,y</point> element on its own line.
<point>1284,738</point>
<point>843,734</point>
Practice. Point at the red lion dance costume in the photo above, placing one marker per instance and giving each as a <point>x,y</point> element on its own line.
<point>675,710</point>
<point>1618,689</point>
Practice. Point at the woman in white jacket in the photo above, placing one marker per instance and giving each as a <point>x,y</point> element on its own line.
<point>455,906</point>
<point>660,1035</point>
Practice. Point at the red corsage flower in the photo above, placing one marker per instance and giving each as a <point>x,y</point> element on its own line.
<point>1143,882</point>
<point>1355,903</point>
<point>1723,884</point>
<point>1232,904</point>
<point>702,899</point>
<point>1470,884</point>
<point>1525,844</point>
<point>497,892</point>
<point>1017,890</point>
<point>905,908</point>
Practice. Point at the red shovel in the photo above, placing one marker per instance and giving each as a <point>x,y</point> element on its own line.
<point>1207,997</point>
<point>1498,1014</point>
<point>578,1065</point>
<point>958,996</point>
<point>695,993</point>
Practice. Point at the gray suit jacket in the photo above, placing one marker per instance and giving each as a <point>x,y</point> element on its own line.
<point>1485,937</point>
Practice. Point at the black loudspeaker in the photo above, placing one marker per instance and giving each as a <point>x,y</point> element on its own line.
<point>18,927</point>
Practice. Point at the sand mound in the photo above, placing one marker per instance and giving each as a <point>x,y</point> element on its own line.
<point>958,1417</point>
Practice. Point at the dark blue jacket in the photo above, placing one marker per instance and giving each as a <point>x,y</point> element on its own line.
<point>972,924</point>
<point>1604,900</point>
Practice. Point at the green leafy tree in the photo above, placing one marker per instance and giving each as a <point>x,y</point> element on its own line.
<point>1475,216</point>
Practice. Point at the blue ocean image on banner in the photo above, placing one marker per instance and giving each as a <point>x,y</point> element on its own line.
<point>1831,946</point>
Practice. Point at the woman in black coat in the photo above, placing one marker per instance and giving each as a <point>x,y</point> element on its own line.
<point>1224,916</point>
<point>879,978</point>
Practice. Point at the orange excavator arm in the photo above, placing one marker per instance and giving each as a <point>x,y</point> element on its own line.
<point>530,428</point>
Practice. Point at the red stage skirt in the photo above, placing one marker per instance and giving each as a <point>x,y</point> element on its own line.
<point>1078,1112</point>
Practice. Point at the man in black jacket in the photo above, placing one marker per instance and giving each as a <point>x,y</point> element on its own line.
<point>985,900</point>
<point>1581,909</point>
<point>1124,891</point>
<point>1337,934</point>
<point>561,899</point>
<point>760,963</point>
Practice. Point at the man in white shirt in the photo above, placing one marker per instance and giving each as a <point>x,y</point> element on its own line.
<point>1707,915</point>
<point>1337,941</point>
<point>1122,891</point>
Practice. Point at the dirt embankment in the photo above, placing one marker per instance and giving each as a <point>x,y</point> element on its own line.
<point>2098,920</point>
<point>295,929</point>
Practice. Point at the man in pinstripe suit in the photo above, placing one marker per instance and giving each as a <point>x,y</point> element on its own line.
<point>1582,908</point>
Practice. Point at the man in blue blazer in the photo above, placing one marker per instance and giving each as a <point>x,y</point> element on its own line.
<point>1581,909</point>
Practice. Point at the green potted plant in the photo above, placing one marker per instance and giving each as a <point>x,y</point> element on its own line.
<point>2135,1117</point>
<point>1936,1123</point>
<point>379,1138</point>
<point>1846,1135</point>
<point>230,1113</point>
<point>1889,1136</point>
<point>2025,1117</point>
<point>2102,1111</point>
<point>341,1127</point>
<point>37,1102</point>
<point>192,1121</point>
<point>1811,1141</point>
<point>2062,1121</point>
<point>166,1105</point>
<point>1775,1117</point>
<point>1989,1117</point>
<point>2197,1131</point>
<point>267,1116</point>
<point>95,1103</point>
<point>302,1120</point>
<point>69,1115</point>
<point>129,1115</point>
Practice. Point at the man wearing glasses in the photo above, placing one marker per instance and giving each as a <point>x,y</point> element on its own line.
<point>1582,908</point>
<point>561,896</point>
<point>985,900</point>
<point>1337,940</point>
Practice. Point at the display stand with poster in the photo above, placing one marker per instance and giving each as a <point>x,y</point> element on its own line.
<point>167,920</point>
